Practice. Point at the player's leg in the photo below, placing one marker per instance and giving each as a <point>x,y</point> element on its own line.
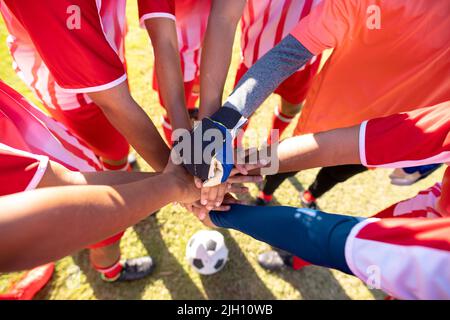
<point>105,257</point>
<point>326,179</point>
<point>166,125</point>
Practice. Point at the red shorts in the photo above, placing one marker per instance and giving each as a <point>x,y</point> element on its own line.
<point>294,88</point>
<point>90,124</point>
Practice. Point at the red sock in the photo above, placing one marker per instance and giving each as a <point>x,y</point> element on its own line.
<point>265,197</point>
<point>308,197</point>
<point>110,273</point>
<point>167,129</point>
<point>280,121</point>
<point>113,167</point>
<point>299,263</point>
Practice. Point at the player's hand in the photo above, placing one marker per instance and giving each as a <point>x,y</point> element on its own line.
<point>207,151</point>
<point>201,212</point>
<point>183,180</point>
<point>212,197</point>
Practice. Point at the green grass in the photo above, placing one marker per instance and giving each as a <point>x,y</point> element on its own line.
<point>164,236</point>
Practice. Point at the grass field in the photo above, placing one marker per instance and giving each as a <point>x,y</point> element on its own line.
<point>164,236</point>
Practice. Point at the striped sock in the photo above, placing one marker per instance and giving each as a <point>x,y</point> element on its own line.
<point>110,273</point>
<point>280,122</point>
<point>112,167</point>
<point>265,197</point>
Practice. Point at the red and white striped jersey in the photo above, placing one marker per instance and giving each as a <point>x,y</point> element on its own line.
<point>266,22</point>
<point>400,250</point>
<point>191,18</point>
<point>28,136</point>
<point>61,65</point>
<point>408,258</point>
<point>407,139</point>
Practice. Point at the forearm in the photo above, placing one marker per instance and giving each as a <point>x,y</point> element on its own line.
<point>312,235</point>
<point>163,35</point>
<point>54,222</point>
<point>216,55</point>
<point>329,148</point>
<point>267,74</point>
<point>56,175</point>
<point>128,117</point>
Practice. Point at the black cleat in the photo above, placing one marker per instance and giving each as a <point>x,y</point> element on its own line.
<point>134,269</point>
<point>275,260</point>
<point>261,202</point>
<point>310,204</point>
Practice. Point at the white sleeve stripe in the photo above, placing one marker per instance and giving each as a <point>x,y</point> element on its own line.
<point>362,143</point>
<point>43,163</point>
<point>443,157</point>
<point>348,251</point>
<point>155,15</point>
<point>102,87</point>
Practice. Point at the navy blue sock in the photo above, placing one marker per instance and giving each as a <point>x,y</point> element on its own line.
<point>312,235</point>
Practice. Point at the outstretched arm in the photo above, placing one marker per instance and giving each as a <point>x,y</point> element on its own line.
<point>411,138</point>
<point>163,34</point>
<point>54,222</point>
<point>128,117</point>
<point>216,55</point>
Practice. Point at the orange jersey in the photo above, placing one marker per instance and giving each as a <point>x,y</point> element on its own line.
<point>388,56</point>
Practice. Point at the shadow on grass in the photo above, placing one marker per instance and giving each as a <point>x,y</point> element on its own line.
<point>297,185</point>
<point>238,279</point>
<point>314,282</point>
<point>175,279</point>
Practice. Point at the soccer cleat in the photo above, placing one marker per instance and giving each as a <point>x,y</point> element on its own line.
<point>409,176</point>
<point>261,202</point>
<point>132,161</point>
<point>308,200</point>
<point>263,199</point>
<point>133,269</point>
<point>276,259</point>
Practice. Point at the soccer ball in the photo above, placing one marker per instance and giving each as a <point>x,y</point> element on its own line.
<point>206,252</point>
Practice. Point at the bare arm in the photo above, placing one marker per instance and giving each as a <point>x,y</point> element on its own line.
<point>129,118</point>
<point>53,222</point>
<point>323,149</point>
<point>163,34</point>
<point>217,52</point>
<point>329,148</point>
<point>57,175</point>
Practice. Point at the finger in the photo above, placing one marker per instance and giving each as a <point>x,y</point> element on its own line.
<point>204,193</point>
<point>222,190</point>
<point>222,208</point>
<point>198,183</point>
<point>241,168</point>
<point>238,189</point>
<point>212,195</point>
<point>245,179</point>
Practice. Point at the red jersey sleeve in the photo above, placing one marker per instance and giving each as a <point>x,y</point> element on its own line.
<point>407,139</point>
<point>155,9</point>
<point>69,36</point>
<point>19,170</point>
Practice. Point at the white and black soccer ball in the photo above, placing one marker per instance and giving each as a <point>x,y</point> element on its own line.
<point>206,252</point>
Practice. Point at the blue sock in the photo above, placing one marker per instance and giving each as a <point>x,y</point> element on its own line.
<point>312,235</point>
